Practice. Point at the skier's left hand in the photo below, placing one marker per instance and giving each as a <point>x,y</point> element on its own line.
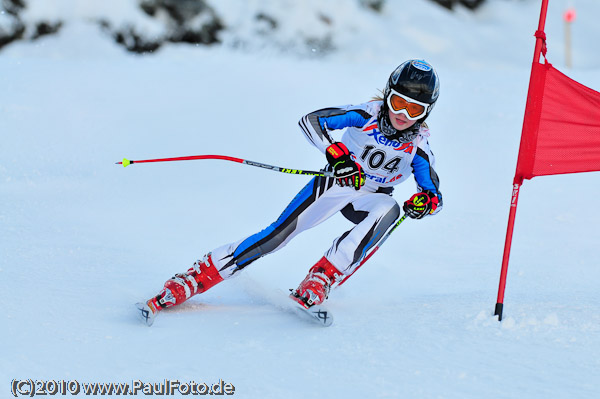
<point>421,204</point>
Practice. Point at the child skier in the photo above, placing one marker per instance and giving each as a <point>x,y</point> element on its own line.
<point>385,141</point>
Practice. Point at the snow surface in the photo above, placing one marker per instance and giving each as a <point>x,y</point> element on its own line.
<point>82,239</point>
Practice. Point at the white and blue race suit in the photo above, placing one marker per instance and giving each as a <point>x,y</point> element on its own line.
<point>372,209</point>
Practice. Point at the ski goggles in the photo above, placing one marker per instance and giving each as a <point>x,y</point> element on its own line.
<point>401,104</point>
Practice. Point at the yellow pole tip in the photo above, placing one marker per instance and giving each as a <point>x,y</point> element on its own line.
<point>126,162</point>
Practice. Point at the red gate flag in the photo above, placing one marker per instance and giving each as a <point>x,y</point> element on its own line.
<point>561,133</point>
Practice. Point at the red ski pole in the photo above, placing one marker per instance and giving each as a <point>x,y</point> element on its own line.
<point>126,162</point>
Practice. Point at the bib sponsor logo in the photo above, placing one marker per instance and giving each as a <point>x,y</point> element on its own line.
<point>395,178</point>
<point>376,179</point>
<point>381,139</point>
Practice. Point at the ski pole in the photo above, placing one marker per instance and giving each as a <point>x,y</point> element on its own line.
<point>385,237</point>
<point>126,162</point>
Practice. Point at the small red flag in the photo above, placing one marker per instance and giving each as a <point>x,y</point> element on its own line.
<point>561,130</point>
<point>569,15</point>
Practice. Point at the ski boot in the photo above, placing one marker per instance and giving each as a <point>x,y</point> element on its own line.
<point>314,289</point>
<point>202,276</point>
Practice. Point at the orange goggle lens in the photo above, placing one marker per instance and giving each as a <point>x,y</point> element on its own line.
<point>398,103</point>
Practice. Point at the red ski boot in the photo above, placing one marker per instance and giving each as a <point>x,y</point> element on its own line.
<point>314,289</point>
<point>202,276</point>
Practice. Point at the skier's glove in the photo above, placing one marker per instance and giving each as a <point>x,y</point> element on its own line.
<point>346,171</point>
<point>421,204</point>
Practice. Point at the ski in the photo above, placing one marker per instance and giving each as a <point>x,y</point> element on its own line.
<point>145,314</point>
<point>317,314</point>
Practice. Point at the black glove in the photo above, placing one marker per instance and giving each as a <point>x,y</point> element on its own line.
<point>346,171</point>
<point>421,204</point>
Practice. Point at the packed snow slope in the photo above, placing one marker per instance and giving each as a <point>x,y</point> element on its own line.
<point>82,239</point>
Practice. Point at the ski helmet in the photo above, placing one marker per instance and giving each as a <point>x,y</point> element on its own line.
<point>415,84</point>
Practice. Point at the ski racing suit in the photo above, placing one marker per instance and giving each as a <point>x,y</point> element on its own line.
<point>372,209</point>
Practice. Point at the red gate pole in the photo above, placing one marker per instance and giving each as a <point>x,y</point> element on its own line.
<point>540,48</point>
<point>540,41</point>
<point>507,244</point>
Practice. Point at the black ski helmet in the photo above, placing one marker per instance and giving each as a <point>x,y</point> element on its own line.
<point>415,79</point>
